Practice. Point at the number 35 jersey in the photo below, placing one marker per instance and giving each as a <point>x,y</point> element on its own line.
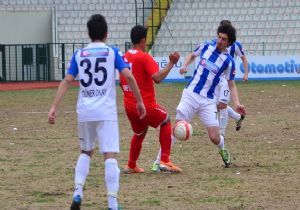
<point>95,66</point>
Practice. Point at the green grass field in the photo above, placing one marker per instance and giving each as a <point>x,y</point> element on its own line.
<point>37,159</point>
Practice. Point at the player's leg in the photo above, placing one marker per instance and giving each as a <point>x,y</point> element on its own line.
<point>108,137</point>
<point>87,136</point>
<point>158,117</point>
<point>155,165</point>
<point>134,153</point>
<point>139,128</point>
<point>223,100</point>
<point>237,117</point>
<point>223,117</point>
<point>208,116</point>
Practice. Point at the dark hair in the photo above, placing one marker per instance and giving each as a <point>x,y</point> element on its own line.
<point>229,30</point>
<point>228,22</point>
<point>137,33</point>
<point>97,27</point>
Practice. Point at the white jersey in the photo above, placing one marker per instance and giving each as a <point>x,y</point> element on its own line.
<point>213,65</point>
<point>95,65</point>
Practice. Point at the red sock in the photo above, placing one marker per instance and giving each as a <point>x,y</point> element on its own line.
<point>135,149</point>
<point>165,141</point>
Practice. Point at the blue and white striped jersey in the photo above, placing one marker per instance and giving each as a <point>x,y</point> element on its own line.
<point>95,65</point>
<point>236,49</point>
<point>213,65</point>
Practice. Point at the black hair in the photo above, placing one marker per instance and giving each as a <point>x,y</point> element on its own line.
<point>97,27</point>
<point>138,33</point>
<point>229,30</point>
<point>228,22</point>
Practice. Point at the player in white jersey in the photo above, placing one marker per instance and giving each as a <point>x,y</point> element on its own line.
<point>96,107</point>
<point>199,97</point>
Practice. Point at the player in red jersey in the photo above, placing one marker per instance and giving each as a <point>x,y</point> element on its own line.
<point>146,72</point>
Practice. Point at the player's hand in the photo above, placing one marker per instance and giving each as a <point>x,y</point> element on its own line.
<point>245,77</point>
<point>141,110</point>
<point>51,115</point>
<point>183,70</point>
<point>241,109</point>
<point>174,57</point>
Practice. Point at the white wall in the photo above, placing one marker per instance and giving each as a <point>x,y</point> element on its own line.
<point>25,27</point>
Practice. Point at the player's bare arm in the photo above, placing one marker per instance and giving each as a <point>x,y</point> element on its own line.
<point>134,87</point>
<point>173,59</point>
<point>62,89</point>
<point>245,64</point>
<point>235,98</point>
<point>187,61</point>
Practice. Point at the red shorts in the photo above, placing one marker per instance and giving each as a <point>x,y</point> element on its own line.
<point>155,117</point>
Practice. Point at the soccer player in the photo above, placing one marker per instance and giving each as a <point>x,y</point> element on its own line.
<point>226,111</point>
<point>96,107</point>
<point>146,72</point>
<point>199,97</point>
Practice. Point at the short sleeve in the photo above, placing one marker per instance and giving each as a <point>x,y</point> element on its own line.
<point>119,62</point>
<point>199,48</point>
<point>73,66</point>
<point>239,49</point>
<point>230,71</point>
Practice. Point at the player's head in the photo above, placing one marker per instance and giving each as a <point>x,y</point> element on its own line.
<point>223,22</point>
<point>97,27</point>
<point>226,36</point>
<point>138,35</point>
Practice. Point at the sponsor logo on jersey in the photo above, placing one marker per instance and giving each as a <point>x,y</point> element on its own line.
<point>94,52</point>
<point>209,65</point>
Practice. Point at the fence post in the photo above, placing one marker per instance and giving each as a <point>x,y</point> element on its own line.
<point>48,63</point>
<point>63,60</point>
<point>2,48</point>
<point>37,60</point>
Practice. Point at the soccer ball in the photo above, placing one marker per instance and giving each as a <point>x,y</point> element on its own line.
<point>182,130</point>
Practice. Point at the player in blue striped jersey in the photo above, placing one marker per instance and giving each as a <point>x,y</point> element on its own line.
<point>226,111</point>
<point>202,92</point>
<point>200,95</point>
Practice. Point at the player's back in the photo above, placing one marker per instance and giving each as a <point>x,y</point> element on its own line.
<point>96,72</point>
<point>143,67</point>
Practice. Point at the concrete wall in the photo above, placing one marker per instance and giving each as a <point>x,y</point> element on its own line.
<point>25,27</point>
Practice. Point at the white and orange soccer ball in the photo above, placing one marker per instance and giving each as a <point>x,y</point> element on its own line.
<point>182,130</point>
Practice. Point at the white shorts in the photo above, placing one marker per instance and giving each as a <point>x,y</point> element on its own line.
<point>192,104</point>
<point>106,132</point>
<point>223,92</point>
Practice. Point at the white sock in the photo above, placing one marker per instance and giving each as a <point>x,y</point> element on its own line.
<point>223,120</point>
<point>221,144</point>
<point>232,114</point>
<point>81,172</point>
<point>112,176</point>
<point>157,161</point>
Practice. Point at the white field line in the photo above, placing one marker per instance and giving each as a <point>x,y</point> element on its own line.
<point>33,112</point>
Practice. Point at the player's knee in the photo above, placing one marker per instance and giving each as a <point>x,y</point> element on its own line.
<point>222,106</point>
<point>166,122</point>
<point>109,155</point>
<point>89,153</point>
<point>141,134</point>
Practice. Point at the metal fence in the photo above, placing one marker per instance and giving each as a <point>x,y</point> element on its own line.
<point>48,62</point>
<point>35,62</point>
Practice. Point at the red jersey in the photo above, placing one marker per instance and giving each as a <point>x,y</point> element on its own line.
<point>143,67</point>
